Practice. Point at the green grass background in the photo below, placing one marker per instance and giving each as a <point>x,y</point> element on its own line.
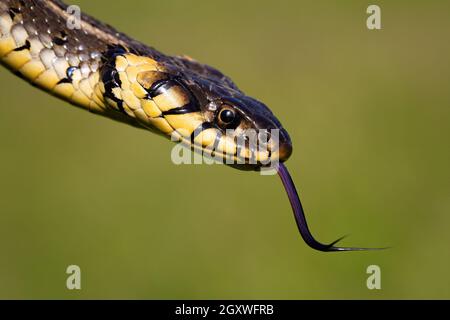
<point>368,113</point>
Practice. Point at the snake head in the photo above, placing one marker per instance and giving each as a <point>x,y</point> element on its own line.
<point>197,105</point>
<point>244,128</point>
<point>234,129</point>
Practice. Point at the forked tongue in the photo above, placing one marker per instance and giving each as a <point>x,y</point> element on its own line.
<point>300,218</point>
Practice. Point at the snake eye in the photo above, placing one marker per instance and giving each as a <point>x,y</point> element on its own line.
<point>228,118</point>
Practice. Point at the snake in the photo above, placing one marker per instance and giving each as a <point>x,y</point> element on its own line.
<point>91,65</point>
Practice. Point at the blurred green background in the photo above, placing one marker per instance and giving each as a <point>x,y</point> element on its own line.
<point>368,113</point>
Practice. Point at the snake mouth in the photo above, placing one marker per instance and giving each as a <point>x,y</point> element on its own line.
<point>239,151</point>
<point>238,162</point>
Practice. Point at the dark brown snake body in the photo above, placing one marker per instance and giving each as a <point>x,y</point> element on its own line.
<point>95,67</point>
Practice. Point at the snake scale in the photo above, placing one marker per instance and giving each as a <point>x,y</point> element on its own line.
<point>99,69</point>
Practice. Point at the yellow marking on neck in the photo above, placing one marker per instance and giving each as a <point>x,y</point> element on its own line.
<point>131,68</point>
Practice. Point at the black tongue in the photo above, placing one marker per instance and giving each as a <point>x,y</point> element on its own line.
<point>300,218</point>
